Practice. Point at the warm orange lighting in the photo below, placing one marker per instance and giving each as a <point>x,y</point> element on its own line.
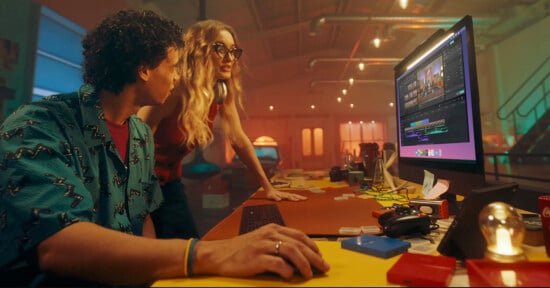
<point>271,108</point>
<point>306,142</point>
<point>361,66</point>
<point>351,105</point>
<point>376,41</point>
<point>312,107</point>
<point>353,133</point>
<point>318,141</point>
<point>264,141</point>
<point>339,99</point>
<point>344,91</point>
<point>351,80</point>
<point>403,4</point>
<point>391,104</point>
<point>312,142</point>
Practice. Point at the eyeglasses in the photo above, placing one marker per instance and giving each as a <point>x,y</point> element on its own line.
<point>222,51</point>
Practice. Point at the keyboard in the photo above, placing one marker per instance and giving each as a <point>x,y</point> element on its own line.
<point>258,215</point>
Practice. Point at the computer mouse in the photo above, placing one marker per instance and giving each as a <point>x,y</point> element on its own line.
<point>313,269</point>
<point>297,272</point>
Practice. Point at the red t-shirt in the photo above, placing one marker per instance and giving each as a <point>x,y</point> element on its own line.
<point>168,150</point>
<point>120,137</point>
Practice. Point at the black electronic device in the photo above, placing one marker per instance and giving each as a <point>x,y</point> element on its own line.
<point>336,174</point>
<point>464,239</point>
<point>437,107</point>
<point>255,216</point>
<point>404,221</point>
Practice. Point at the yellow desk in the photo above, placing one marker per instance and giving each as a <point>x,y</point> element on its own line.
<point>348,268</point>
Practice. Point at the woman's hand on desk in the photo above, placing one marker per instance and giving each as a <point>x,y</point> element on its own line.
<point>274,194</point>
<point>271,248</point>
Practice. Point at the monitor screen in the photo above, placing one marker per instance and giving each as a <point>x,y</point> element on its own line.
<point>265,153</point>
<point>438,120</point>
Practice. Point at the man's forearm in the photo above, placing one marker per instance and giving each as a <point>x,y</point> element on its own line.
<point>89,251</point>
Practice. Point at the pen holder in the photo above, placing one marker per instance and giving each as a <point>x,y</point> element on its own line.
<point>378,176</point>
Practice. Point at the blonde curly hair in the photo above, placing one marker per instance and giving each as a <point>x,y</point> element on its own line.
<point>197,83</point>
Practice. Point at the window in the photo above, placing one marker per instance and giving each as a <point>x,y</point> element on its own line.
<point>312,142</point>
<point>59,55</point>
<point>351,134</point>
<point>306,142</point>
<point>318,141</point>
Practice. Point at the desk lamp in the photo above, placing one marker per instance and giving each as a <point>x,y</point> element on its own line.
<point>504,230</point>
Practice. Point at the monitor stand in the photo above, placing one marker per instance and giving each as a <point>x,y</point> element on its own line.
<point>454,206</point>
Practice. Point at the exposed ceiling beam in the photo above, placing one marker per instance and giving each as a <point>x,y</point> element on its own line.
<point>318,22</point>
<point>367,60</point>
<point>314,83</point>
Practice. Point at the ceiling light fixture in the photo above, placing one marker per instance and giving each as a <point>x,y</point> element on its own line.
<point>361,66</point>
<point>351,80</point>
<point>271,108</point>
<point>403,4</point>
<point>344,91</point>
<point>339,99</point>
<point>312,107</point>
<point>376,41</point>
<point>351,105</point>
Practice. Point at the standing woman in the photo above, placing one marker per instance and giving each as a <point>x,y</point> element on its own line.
<point>210,62</point>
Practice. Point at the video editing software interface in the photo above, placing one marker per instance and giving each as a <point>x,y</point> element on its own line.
<point>434,104</point>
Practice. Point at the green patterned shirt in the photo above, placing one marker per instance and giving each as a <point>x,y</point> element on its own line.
<point>59,165</point>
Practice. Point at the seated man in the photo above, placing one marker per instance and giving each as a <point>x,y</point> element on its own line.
<point>77,182</point>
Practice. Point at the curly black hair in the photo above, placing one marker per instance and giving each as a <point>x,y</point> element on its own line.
<point>124,41</point>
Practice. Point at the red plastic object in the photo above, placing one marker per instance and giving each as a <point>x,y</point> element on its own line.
<point>489,273</point>
<point>421,270</point>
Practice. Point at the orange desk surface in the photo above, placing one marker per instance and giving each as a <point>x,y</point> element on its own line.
<point>320,215</point>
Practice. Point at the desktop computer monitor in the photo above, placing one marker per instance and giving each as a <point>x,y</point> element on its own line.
<point>269,157</point>
<point>270,153</point>
<point>438,119</point>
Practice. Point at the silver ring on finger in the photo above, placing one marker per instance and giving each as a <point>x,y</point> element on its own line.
<point>278,247</point>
